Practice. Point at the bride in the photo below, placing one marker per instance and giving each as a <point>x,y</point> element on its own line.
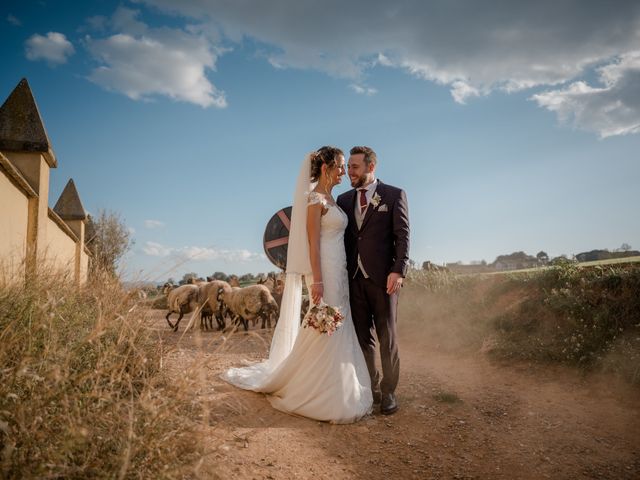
<point>309,373</point>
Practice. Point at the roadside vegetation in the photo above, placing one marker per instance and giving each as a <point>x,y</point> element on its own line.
<point>84,393</point>
<point>587,317</point>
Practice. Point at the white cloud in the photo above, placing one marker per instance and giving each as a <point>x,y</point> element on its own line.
<point>383,60</point>
<point>474,48</point>
<point>155,249</point>
<point>153,224</point>
<point>54,48</point>
<point>363,89</point>
<point>612,109</point>
<point>461,91</point>
<point>204,253</point>
<point>13,20</point>
<point>142,62</point>
<point>98,22</point>
<point>126,20</point>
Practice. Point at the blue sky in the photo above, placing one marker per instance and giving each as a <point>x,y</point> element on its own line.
<point>511,127</point>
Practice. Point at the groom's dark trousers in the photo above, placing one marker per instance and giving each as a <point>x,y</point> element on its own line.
<point>372,309</point>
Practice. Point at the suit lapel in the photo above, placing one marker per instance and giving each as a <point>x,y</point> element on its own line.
<point>351,210</point>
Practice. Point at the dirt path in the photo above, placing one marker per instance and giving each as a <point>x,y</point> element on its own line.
<point>461,417</point>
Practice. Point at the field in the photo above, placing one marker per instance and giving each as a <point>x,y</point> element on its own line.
<point>515,376</point>
<point>610,261</point>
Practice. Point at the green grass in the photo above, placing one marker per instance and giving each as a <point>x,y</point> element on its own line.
<point>610,261</point>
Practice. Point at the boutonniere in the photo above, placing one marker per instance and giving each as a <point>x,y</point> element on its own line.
<point>375,201</point>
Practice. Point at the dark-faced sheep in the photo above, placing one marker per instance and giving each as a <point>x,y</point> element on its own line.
<point>209,298</point>
<point>251,303</point>
<point>275,284</point>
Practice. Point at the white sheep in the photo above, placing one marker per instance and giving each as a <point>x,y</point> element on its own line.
<point>181,300</point>
<point>250,303</point>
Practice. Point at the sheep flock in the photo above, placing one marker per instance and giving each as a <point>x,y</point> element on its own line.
<point>219,300</point>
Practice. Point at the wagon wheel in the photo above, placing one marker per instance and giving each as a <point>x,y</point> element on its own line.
<point>276,237</point>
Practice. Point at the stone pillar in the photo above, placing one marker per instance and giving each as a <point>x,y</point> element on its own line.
<point>35,169</point>
<point>69,208</point>
<point>25,143</point>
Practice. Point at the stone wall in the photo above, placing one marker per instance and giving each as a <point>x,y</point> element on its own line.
<point>14,212</point>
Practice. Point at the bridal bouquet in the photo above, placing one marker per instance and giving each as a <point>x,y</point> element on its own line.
<point>324,318</point>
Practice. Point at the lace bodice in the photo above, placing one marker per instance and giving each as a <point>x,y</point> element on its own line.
<point>333,257</point>
<point>334,221</point>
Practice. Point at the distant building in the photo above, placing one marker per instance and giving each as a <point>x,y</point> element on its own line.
<point>514,261</point>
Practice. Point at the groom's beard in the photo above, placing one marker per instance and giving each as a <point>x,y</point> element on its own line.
<point>359,182</point>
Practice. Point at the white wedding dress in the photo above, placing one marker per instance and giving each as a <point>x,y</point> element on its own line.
<point>323,377</point>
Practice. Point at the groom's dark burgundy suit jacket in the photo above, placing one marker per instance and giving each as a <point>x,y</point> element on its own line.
<point>383,239</point>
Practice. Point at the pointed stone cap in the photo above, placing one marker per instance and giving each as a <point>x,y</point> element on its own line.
<point>69,206</point>
<point>21,126</point>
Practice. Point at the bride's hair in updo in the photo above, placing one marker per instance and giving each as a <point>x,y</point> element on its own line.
<point>326,155</point>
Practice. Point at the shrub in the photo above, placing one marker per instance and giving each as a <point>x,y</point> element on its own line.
<point>575,315</point>
<point>585,317</point>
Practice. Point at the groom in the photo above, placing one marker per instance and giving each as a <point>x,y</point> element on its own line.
<point>377,245</point>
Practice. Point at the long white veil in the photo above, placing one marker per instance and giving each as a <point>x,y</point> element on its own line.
<point>253,377</point>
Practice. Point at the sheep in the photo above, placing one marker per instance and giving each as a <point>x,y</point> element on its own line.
<point>250,303</point>
<point>225,310</point>
<point>206,318</point>
<point>206,313</point>
<point>181,300</point>
<point>208,297</point>
<point>275,284</point>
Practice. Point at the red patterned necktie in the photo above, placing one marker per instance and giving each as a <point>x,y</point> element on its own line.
<point>363,199</point>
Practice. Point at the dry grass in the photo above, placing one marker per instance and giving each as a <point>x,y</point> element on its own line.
<point>83,394</point>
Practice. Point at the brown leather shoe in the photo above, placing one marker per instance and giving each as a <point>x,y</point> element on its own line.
<point>388,404</point>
